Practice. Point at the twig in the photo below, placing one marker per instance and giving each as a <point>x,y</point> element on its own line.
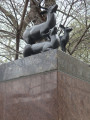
<point>74,48</point>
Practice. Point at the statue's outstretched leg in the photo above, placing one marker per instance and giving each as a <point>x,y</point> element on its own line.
<point>27,50</point>
<point>46,49</point>
<point>63,46</point>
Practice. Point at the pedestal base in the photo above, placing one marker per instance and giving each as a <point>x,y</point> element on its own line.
<point>55,87</point>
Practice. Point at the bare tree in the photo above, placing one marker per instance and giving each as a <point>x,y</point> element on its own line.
<point>76,13</point>
<point>15,16</point>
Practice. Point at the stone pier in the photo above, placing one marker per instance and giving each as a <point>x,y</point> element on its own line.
<point>47,86</point>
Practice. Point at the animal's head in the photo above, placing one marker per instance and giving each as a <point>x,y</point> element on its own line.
<point>54,31</point>
<point>51,9</point>
<point>67,29</point>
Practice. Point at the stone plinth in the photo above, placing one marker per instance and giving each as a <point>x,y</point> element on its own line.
<point>47,86</point>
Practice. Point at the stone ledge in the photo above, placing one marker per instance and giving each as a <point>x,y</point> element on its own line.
<point>47,61</point>
<point>72,66</point>
<point>30,65</point>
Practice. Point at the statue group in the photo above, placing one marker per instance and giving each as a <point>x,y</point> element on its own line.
<point>34,35</point>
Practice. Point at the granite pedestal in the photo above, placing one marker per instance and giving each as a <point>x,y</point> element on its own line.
<point>46,86</point>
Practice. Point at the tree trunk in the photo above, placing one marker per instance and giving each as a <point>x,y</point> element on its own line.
<point>17,44</point>
<point>20,29</point>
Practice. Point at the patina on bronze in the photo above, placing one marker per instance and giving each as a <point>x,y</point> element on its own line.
<point>43,46</point>
<point>38,32</point>
<point>65,38</point>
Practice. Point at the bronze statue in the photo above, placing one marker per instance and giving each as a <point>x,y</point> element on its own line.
<point>38,32</point>
<point>43,46</point>
<point>44,30</point>
<point>65,38</point>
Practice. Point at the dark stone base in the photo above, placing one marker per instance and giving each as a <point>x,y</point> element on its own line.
<point>55,91</point>
<point>73,98</point>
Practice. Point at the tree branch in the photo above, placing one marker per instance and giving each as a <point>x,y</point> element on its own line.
<point>6,32</point>
<point>69,15</point>
<point>7,14</point>
<point>6,57</point>
<point>74,48</point>
<point>10,47</point>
